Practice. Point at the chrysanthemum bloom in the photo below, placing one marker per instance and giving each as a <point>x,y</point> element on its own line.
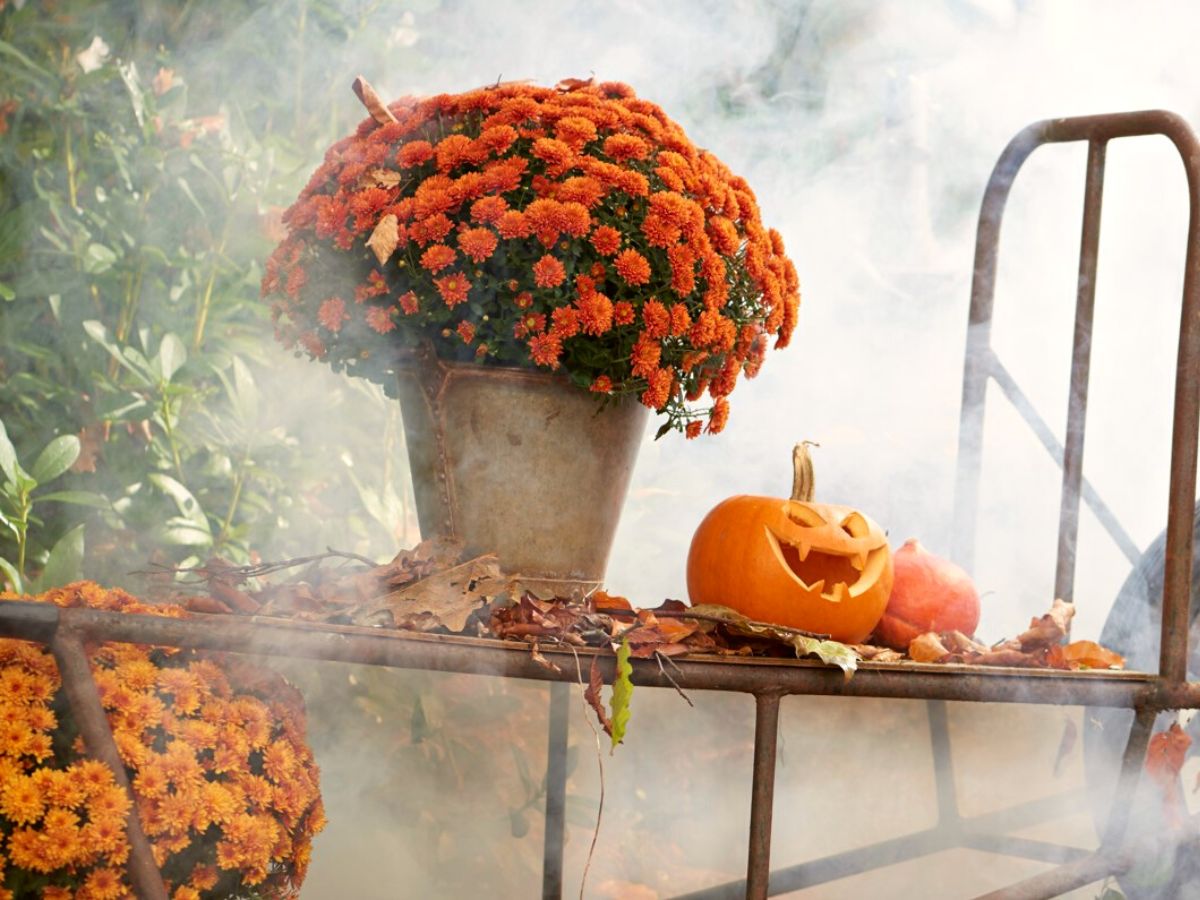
<point>585,205</point>
<point>64,816</point>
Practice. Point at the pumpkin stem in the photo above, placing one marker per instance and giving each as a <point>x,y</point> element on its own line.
<point>375,106</point>
<point>803,480</point>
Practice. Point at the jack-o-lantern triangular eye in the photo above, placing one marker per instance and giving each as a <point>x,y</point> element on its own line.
<point>856,525</point>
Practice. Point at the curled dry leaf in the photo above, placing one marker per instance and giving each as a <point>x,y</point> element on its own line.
<point>451,595</point>
<point>1048,629</point>
<point>592,695</point>
<point>385,238</point>
<point>1084,655</point>
<point>830,652</point>
<point>927,647</point>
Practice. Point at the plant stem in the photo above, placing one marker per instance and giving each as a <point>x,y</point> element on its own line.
<point>206,298</point>
<point>238,481</point>
<point>72,190</point>
<point>22,530</point>
<point>165,410</point>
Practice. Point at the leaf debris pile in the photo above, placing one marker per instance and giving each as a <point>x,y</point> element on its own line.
<point>1038,647</point>
<point>436,587</point>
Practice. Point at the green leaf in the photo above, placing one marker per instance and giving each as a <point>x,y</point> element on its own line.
<point>57,456</point>
<point>65,563</point>
<point>98,259</point>
<point>6,292</point>
<point>188,506</point>
<point>829,652</point>
<point>8,456</point>
<point>622,693</point>
<point>78,498</point>
<point>13,576</point>
<point>245,392</point>
<point>172,354</point>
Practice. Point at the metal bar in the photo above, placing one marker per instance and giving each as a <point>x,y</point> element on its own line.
<point>556,791</point>
<point>93,724</point>
<point>943,763</point>
<point>899,849</point>
<point>762,794</point>
<point>1081,357</point>
<point>1177,576</point>
<point>1127,781</point>
<point>1058,880</point>
<point>1024,407</point>
<point>441,653</point>
<point>1025,848</point>
<point>1099,128</point>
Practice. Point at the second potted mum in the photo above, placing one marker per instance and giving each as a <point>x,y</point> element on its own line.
<point>573,233</point>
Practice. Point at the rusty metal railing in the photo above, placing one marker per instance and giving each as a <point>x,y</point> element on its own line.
<point>66,631</point>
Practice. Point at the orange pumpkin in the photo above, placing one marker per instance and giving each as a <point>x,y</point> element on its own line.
<point>793,562</point>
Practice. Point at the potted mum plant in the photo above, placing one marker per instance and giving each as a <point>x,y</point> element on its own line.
<point>569,247</point>
<point>226,786</point>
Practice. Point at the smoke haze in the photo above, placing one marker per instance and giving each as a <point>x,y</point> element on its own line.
<point>868,131</point>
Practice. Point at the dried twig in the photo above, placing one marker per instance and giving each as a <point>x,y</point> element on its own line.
<point>685,614</point>
<point>667,675</point>
<point>243,572</point>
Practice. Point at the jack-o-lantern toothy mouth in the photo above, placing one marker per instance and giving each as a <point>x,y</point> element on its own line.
<point>830,575</point>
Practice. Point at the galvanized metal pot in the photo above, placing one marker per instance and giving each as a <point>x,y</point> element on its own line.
<point>520,463</point>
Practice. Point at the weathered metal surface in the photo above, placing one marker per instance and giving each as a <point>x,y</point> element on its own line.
<point>1081,361</point>
<point>762,794</point>
<point>446,653</point>
<point>556,792</point>
<point>479,438</point>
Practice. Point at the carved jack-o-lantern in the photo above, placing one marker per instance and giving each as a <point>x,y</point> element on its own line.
<point>813,566</point>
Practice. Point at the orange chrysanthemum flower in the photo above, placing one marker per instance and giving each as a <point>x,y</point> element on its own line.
<point>478,243</point>
<point>379,319</point>
<point>658,389</point>
<point>564,322</point>
<point>623,313</point>
<point>545,349</point>
<point>602,385</point>
<point>437,257</point>
<point>548,272</point>
<point>633,267</point>
<point>453,288</point>
<point>606,240</point>
<point>718,416</point>
<point>488,210</point>
<point>595,313</point>
<point>331,315</point>
<point>466,331</point>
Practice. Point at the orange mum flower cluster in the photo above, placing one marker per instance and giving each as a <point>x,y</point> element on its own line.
<point>585,210</point>
<point>226,786</point>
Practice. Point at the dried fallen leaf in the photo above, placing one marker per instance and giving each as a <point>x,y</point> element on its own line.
<point>385,178</point>
<point>385,238</point>
<point>830,652</point>
<point>1048,629</point>
<point>927,647</point>
<point>1090,655</point>
<point>877,654</point>
<point>450,595</point>
<point>592,695</point>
